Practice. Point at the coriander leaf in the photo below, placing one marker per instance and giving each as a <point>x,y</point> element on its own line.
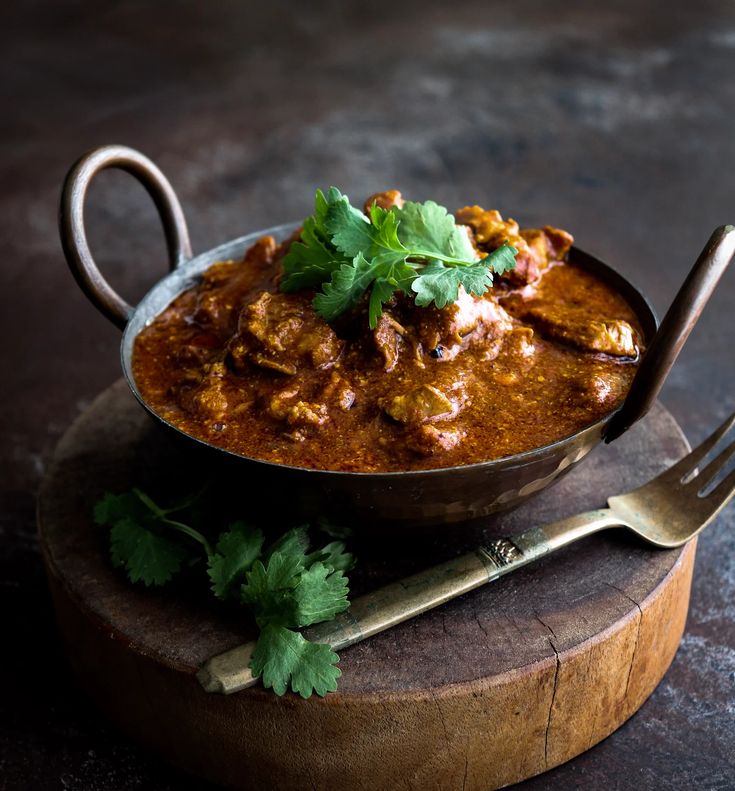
<point>320,594</point>
<point>392,274</point>
<point>112,507</point>
<point>349,229</point>
<point>353,233</point>
<point>283,657</point>
<point>333,555</point>
<point>268,588</point>
<point>321,205</point>
<point>437,283</point>
<point>412,249</point>
<point>351,281</point>
<point>294,589</point>
<point>143,539</point>
<point>431,228</point>
<point>502,259</point>
<point>312,259</point>
<point>396,271</point>
<point>346,287</point>
<point>236,551</point>
<point>147,556</point>
<point>476,279</point>
<point>280,573</point>
<point>295,541</point>
<point>380,293</point>
<point>385,233</point>
<point>309,262</point>
<point>285,589</point>
<point>425,234</point>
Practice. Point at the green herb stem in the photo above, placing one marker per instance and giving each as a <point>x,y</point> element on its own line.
<point>191,532</point>
<point>180,526</point>
<point>445,259</point>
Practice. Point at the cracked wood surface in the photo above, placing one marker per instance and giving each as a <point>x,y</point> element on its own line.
<point>491,688</point>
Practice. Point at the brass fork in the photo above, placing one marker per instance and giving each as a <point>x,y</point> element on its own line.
<point>666,512</point>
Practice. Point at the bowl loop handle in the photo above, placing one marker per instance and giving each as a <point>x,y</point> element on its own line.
<point>73,233</point>
<point>674,330</point>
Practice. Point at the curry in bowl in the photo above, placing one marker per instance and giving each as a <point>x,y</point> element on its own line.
<point>424,375</point>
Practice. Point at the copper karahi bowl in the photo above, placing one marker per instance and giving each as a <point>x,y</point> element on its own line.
<point>412,498</point>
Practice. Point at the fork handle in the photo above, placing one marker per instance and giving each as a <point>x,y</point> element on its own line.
<point>399,601</point>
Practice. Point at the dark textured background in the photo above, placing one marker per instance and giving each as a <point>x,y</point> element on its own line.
<point>616,122</point>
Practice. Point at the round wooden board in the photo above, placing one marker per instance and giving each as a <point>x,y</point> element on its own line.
<point>490,689</point>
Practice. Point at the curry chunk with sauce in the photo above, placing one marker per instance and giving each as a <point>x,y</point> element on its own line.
<point>547,351</point>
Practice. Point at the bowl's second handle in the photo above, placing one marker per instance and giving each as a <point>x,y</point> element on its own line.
<point>674,330</point>
<point>74,237</point>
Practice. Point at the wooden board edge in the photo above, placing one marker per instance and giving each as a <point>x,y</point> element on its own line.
<point>458,733</point>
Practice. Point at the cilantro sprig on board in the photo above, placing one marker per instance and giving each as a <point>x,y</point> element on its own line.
<point>416,249</point>
<point>285,586</point>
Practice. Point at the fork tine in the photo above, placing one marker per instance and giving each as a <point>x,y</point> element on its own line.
<point>707,474</point>
<point>690,461</point>
<point>724,490</point>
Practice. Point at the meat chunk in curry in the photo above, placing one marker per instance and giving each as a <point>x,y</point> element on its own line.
<point>549,349</point>
<point>537,247</point>
<point>281,332</point>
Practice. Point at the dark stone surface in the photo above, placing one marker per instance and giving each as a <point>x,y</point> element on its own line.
<point>614,121</point>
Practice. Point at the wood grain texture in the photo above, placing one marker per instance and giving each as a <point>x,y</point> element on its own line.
<point>497,686</point>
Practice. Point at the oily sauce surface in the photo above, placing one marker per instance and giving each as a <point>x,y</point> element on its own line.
<point>237,363</point>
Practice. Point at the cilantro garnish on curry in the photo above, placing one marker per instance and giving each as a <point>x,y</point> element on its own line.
<point>414,249</point>
<point>395,338</point>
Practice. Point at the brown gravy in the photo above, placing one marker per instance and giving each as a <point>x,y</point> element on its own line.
<point>244,367</point>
